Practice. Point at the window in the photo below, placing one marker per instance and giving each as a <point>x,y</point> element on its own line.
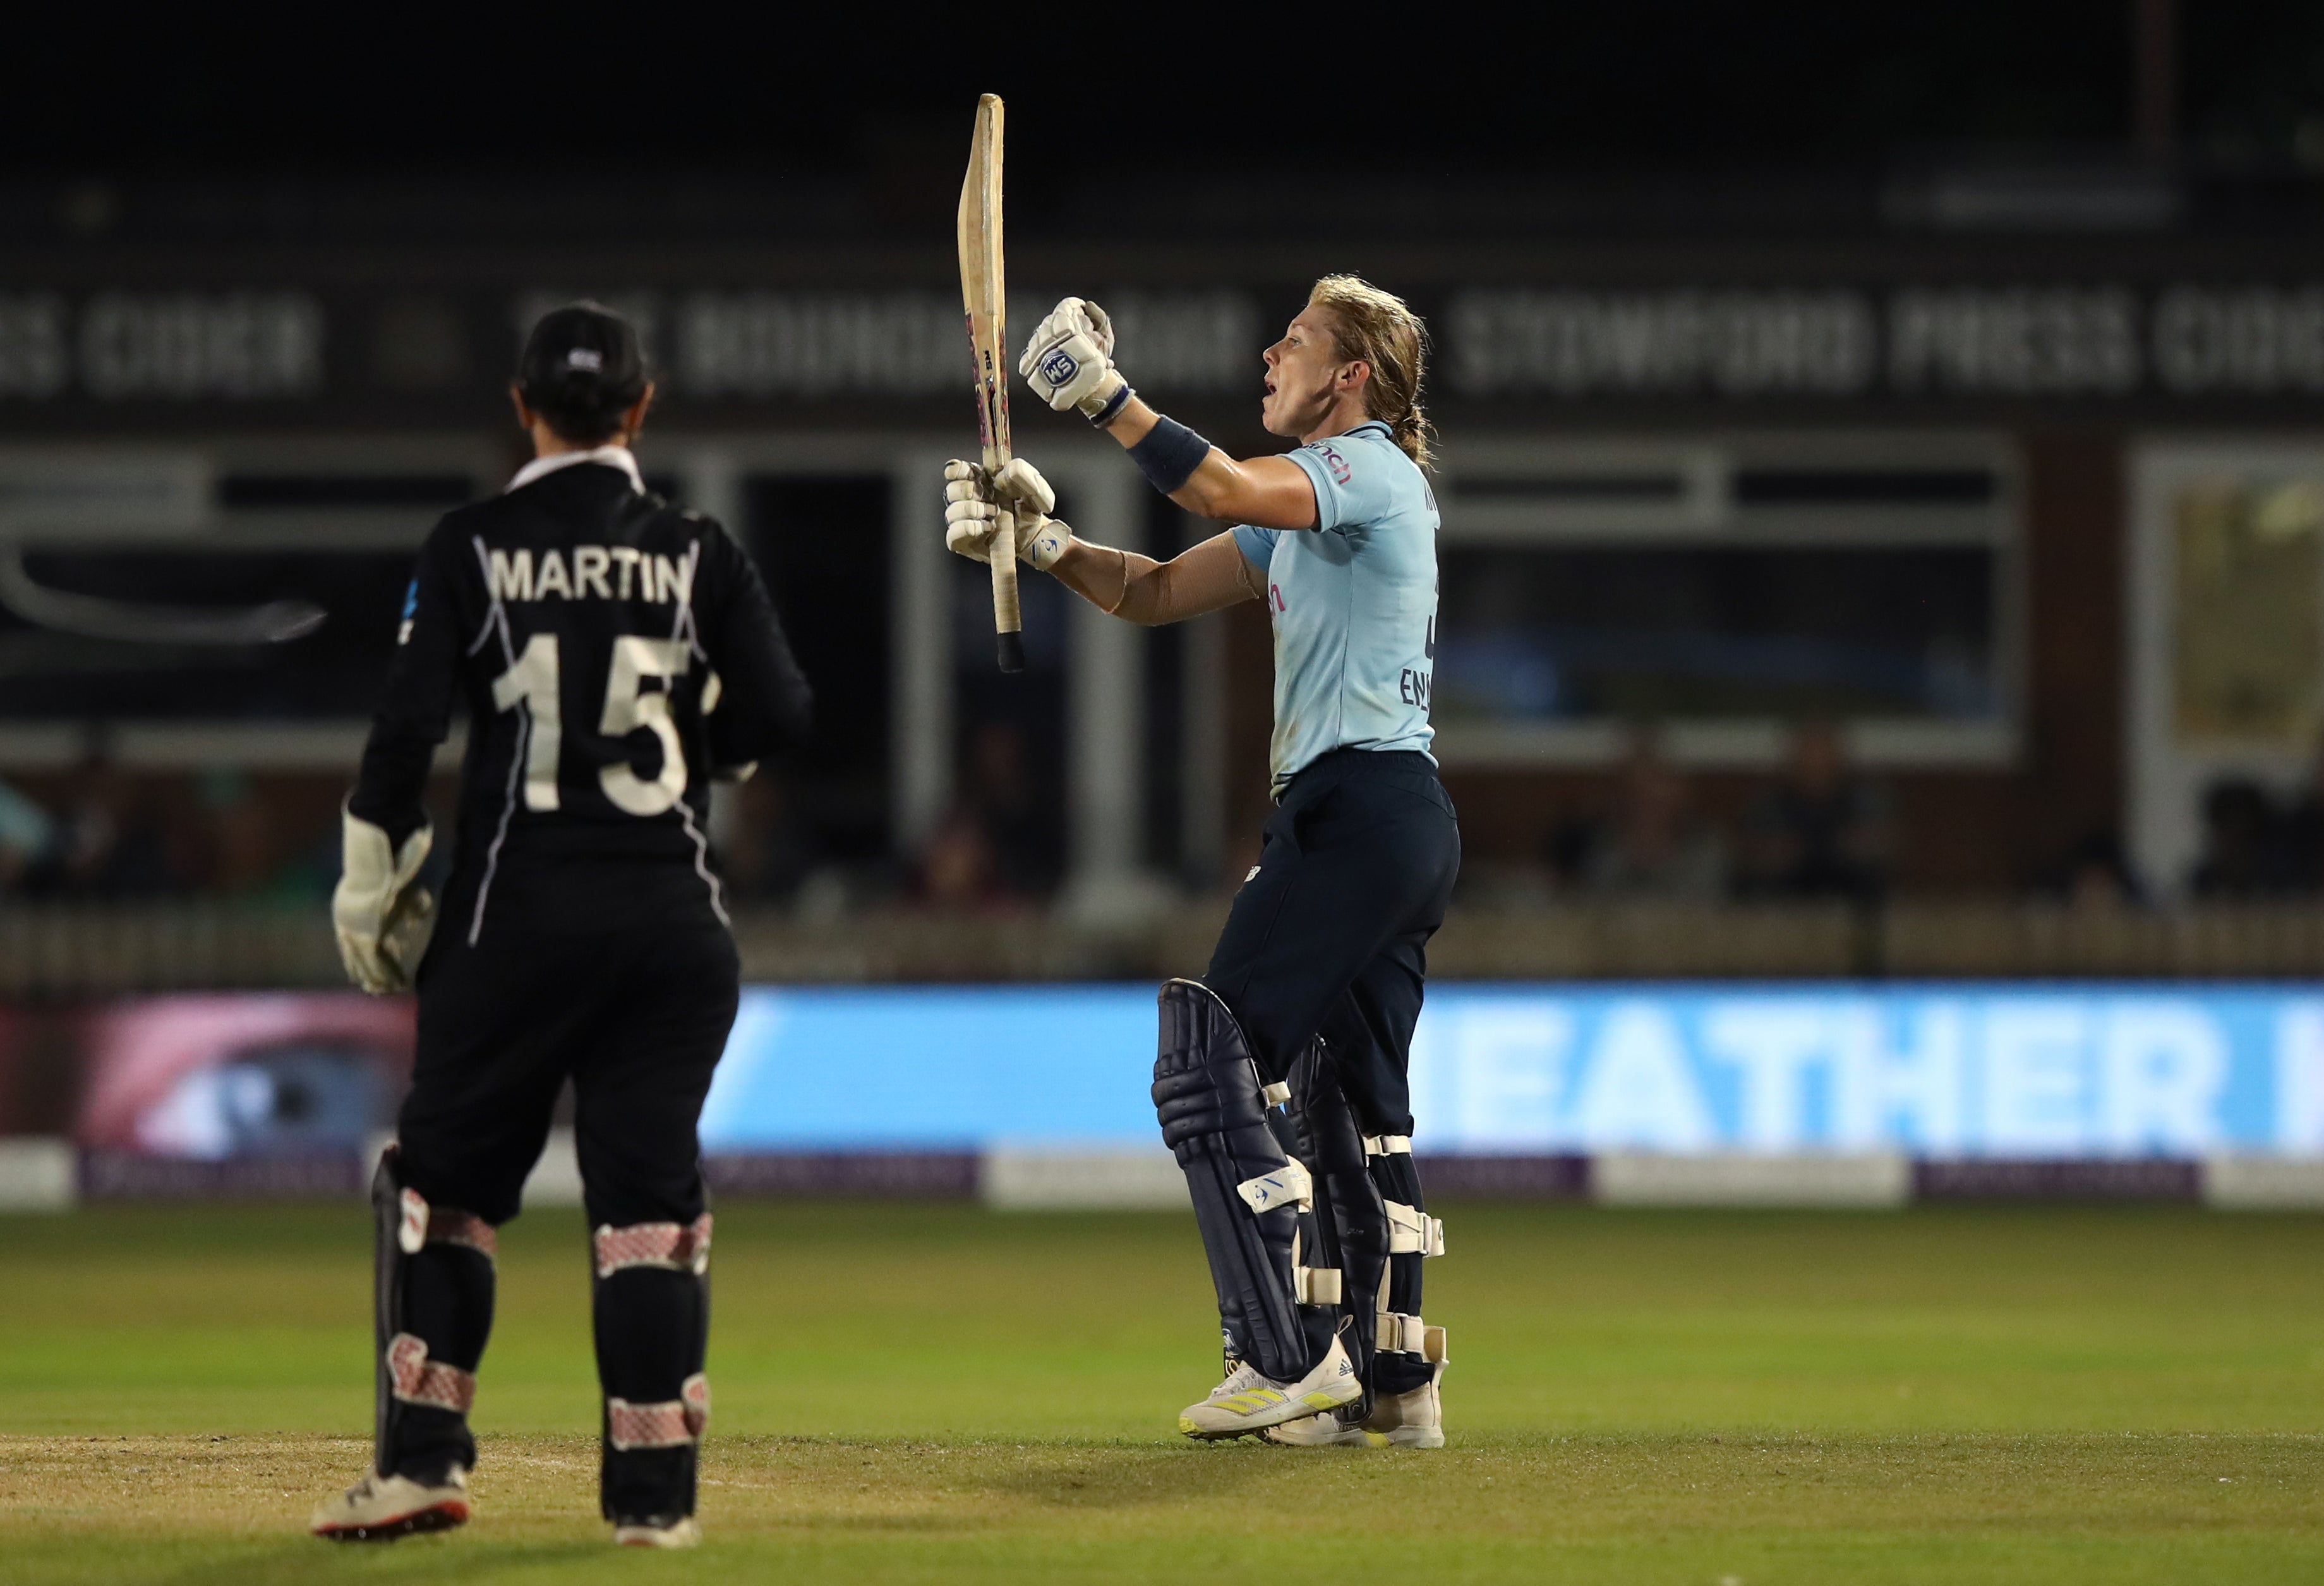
<point>1722,590</point>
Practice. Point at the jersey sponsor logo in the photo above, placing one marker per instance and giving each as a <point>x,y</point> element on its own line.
<point>600,573</point>
<point>1332,460</point>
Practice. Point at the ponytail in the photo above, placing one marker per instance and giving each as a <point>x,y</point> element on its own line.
<point>1376,328</point>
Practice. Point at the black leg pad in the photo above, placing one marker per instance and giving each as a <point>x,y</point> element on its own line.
<point>1400,1371</point>
<point>651,1312</point>
<point>1247,1190</point>
<point>432,1296</point>
<point>1332,1144</point>
<point>1316,1279</point>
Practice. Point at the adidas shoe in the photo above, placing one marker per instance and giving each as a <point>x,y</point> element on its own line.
<point>381,1509</point>
<point>1323,1431</point>
<point>658,1532</point>
<point>1247,1401</point>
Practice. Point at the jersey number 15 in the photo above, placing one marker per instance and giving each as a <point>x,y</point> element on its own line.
<point>533,682</point>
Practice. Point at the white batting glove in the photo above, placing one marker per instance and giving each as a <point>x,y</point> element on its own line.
<point>979,507</point>
<point>383,918</point>
<point>1069,362</point>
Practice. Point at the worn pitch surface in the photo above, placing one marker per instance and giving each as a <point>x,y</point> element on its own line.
<point>937,1393</point>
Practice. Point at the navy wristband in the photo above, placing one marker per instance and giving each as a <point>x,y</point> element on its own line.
<point>1169,454</point>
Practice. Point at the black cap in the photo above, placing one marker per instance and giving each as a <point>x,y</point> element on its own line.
<point>582,351</point>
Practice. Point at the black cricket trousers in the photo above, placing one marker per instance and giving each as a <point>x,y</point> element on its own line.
<point>1330,935</point>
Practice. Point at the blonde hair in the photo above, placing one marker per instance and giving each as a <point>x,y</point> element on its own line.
<point>1376,328</point>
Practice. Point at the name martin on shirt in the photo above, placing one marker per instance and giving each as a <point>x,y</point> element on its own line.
<point>603,572</point>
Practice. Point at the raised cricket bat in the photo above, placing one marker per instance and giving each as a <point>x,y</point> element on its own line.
<point>984,293</point>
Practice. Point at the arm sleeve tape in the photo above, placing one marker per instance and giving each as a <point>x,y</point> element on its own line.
<point>1289,1185</point>
<point>1412,1232</point>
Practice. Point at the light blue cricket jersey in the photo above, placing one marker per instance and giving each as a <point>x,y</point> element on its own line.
<point>1353,601</point>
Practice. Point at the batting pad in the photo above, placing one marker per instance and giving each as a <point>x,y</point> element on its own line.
<point>1245,1190</point>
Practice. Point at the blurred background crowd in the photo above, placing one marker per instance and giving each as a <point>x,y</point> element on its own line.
<point>1884,465</point>
<point>1813,828</point>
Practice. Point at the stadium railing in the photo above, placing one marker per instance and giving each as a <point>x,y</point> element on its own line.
<point>51,950</point>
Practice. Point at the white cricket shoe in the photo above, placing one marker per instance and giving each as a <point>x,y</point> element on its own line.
<point>1323,1431</point>
<point>681,1531</point>
<point>1247,1401</point>
<point>381,1509</point>
<point>1415,1418</point>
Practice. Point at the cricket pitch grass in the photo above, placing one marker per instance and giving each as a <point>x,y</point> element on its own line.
<point>937,1393</point>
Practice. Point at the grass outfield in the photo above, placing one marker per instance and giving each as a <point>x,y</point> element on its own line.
<point>936,1393</point>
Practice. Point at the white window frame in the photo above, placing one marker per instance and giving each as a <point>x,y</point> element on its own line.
<point>1704,512</point>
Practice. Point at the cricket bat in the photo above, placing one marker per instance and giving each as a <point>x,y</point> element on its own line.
<point>984,293</point>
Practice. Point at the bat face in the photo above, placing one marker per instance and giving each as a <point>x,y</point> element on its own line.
<point>983,280</point>
<point>984,294</point>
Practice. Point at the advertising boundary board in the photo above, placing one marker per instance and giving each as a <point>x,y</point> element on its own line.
<point>1927,1070</point>
<point>1034,1097</point>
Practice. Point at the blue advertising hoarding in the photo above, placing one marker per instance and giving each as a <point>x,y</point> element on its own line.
<point>1991,1070</point>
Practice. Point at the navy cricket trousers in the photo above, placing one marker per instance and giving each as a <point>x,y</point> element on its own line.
<point>1330,935</point>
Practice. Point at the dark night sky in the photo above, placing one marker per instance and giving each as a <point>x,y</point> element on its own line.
<point>1113,92</point>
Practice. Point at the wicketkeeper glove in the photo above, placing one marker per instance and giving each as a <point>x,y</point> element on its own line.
<point>382,917</point>
<point>978,507</point>
<point>1069,362</point>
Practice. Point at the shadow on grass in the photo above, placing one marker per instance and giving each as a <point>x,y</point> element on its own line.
<point>447,1558</point>
<point>1073,1474</point>
<point>1119,1477</point>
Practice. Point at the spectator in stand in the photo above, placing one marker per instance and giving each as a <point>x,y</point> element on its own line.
<point>1652,844</point>
<point>1819,832</point>
<point>110,842</point>
<point>1020,829</point>
<point>2302,843</point>
<point>256,852</point>
<point>2096,877</point>
<point>764,851</point>
<point>2242,851</point>
<point>27,836</point>
<point>958,869</point>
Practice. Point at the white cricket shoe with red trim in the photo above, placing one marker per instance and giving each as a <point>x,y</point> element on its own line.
<point>381,1509</point>
<point>682,1532</point>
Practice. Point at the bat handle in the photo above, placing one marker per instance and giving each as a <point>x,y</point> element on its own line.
<point>1007,619</point>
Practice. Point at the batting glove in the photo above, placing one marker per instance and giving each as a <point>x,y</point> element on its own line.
<point>382,916</point>
<point>979,505</point>
<point>1069,362</point>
